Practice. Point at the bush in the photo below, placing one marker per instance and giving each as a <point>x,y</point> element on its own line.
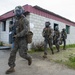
<point>71,46</point>
<point>38,46</point>
<point>1,43</point>
<point>72,57</point>
<point>71,62</point>
<point>32,46</point>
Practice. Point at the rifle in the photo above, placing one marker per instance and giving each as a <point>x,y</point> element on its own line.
<point>13,30</point>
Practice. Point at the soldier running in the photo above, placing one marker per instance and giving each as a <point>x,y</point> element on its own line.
<point>64,37</point>
<point>48,38</point>
<point>20,42</point>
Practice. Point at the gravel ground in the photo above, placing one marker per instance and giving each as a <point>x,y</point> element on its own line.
<point>38,67</point>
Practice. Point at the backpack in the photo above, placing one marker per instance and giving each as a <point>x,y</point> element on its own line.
<point>29,37</point>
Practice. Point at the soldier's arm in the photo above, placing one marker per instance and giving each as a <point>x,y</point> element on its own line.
<point>66,35</point>
<point>59,34</point>
<point>43,33</point>
<point>24,32</point>
<point>11,26</point>
<point>52,32</point>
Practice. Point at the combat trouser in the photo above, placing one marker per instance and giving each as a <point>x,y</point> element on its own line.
<point>56,42</point>
<point>50,42</point>
<point>20,45</point>
<point>64,46</point>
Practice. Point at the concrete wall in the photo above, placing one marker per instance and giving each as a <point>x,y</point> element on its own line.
<point>39,23</point>
<point>71,36</point>
<point>5,34</point>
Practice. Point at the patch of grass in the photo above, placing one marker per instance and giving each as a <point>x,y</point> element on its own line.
<point>31,51</point>
<point>66,57</point>
<point>1,43</point>
<point>72,57</point>
<point>37,47</point>
<point>61,46</point>
<point>70,46</point>
<point>58,61</point>
<point>70,64</point>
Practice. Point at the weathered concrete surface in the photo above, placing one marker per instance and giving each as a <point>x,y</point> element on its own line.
<point>38,67</point>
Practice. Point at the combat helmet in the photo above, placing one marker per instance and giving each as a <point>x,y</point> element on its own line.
<point>18,11</point>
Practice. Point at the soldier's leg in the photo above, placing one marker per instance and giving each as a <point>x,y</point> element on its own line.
<point>45,47</point>
<point>64,44</point>
<point>51,46</point>
<point>57,45</point>
<point>23,52</point>
<point>11,61</point>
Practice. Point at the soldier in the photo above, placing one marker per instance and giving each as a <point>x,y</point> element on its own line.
<point>47,34</point>
<point>56,38</point>
<point>20,42</point>
<point>64,37</point>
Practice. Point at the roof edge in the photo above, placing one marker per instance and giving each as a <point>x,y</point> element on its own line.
<point>49,12</point>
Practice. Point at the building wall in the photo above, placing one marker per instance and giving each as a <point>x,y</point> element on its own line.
<point>38,23</point>
<point>0,31</point>
<point>71,36</point>
<point>5,34</point>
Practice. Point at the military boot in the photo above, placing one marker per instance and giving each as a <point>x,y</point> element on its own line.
<point>64,48</point>
<point>57,50</point>
<point>44,56</point>
<point>52,52</point>
<point>10,70</point>
<point>29,61</point>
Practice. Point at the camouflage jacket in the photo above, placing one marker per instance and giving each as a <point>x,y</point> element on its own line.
<point>56,35</point>
<point>47,32</point>
<point>63,35</point>
<point>22,27</point>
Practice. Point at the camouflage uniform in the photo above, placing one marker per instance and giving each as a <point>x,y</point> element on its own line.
<point>64,37</point>
<point>20,35</point>
<point>56,39</point>
<point>20,43</point>
<point>48,39</point>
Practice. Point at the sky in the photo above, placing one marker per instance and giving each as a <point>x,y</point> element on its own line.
<point>65,8</point>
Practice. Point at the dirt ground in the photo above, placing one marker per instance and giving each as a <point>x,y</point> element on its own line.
<point>39,65</point>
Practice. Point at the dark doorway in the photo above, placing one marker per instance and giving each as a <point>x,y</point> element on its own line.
<point>55,25</point>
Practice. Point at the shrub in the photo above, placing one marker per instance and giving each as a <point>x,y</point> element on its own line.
<point>1,43</point>
<point>38,46</point>
<point>32,46</point>
<point>72,57</point>
<point>71,62</point>
<point>71,46</point>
